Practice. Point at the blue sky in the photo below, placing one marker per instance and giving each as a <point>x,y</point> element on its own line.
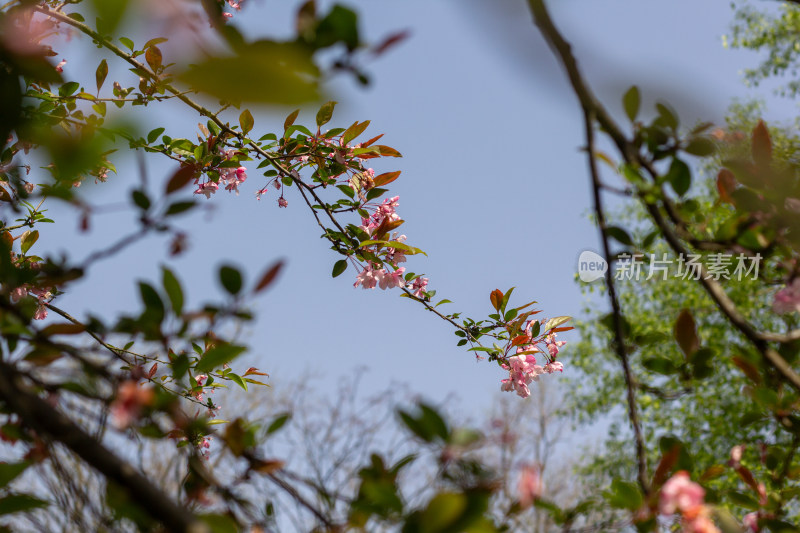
<point>494,187</point>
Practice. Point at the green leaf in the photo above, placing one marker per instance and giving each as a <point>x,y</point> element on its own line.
<point>246,121</point>
<point>231,279</point>
<point>339,267</point>
<point>218,356</point>
<point>173,289</point>
<point>101,73</point>
<point>28,239</point>
<point>340,25</point>
<point>660,365</point>
<point>9,471</point>
<point>110,12</point>
<point>679,176</point>
<point>263,71</point>
<point>179,207</point>
<point>408,250</point>
<point>556,322</point>
<point>14,503</point>
<point>140,199</point>
<point>219,523</point>
<point>620,235</point>
<point>443,512</point>
<point>701,147</point>
<point>152,301</point>
<point>127,43</point>
<point>68,88</point>
<point>278,422</point>
<point>237,379</point>
<point>325,113</point>
<point>624,495</point>
<point>154,134</point>
<point>631,101</point>
<point>667,116</point>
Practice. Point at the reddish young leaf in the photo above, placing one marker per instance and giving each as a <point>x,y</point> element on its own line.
<point>747,477</point>
<point>63,329</point>
<point>565,328</point>
<point>154,58</point>
<point>520,340</point>
<point>354,131</point>
<point>266,467</point>
<point>152,371</point>
<point>101,73</point>
<point>388,151</point>
<point>665,465</point>
<point>686,333</point>
<point>290,119</point>
<point>371,141</point>
<point>386,178</point>
<point>726,183</point>
<point>761,145</point>
<point>496,297</point>
<point>747,368</point>
<point>181,178</point>
<point>390,41</point>
<point>253,371</point>
<point>269,276</point>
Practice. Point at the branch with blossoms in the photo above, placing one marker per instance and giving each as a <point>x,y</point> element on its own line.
<point>159,381</point>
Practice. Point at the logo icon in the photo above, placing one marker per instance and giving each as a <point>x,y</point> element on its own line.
<point>591,266</point>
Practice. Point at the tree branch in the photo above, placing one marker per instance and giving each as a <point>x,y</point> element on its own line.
<point>40,416</point>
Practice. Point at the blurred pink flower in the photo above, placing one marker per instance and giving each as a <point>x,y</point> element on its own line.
<point>530,485</point>
<point>787,300</point>
<point>681,494</point>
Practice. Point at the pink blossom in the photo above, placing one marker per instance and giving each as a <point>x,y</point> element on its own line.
<point>233,178</point>
<point>418,286</point>
<point>207,189</point>
<point>701,523</point>
<point>29,187</point>
<point>129,401</point>
<point>680,493</point>
<point>392,279</point>
<point>41,312</point>
<point>261,192</point>
<point>282,202</point>
<point>522,370</point>
<point>369,277</point>
<point>787,300</point>
<point>750,522</point>
<point>19,293</point>
<point>552,344</point>
<point>530,486</point>
<point>555,366</point>
<point>736,454</point>
<point>60,66</point>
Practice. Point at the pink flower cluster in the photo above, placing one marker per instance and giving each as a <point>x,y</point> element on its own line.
<point>384,212</point>
<point>523,367</point>
<point>42,294</point>
<point>229,176</point>
<point>681,494</point>
<point>370,277</point>
<point>787,300</point>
